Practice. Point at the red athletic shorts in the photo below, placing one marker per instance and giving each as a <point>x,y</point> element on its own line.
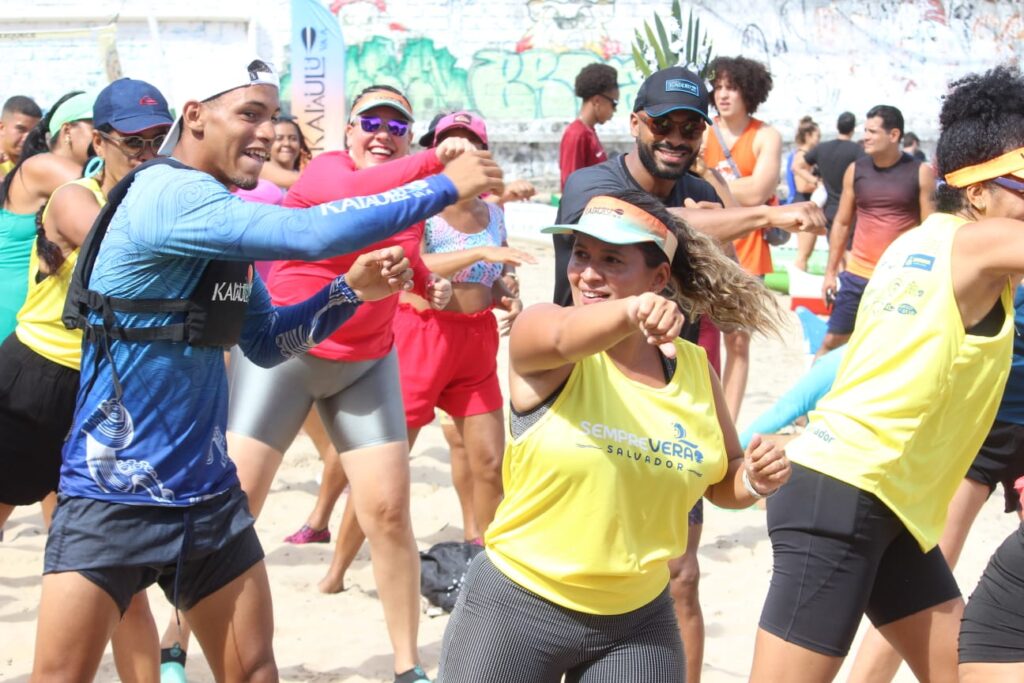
<point>447,360</point>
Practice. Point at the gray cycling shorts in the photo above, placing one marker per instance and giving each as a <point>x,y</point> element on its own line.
<point>359,402</point>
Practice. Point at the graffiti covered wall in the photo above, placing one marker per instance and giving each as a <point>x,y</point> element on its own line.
<point>514,61</point>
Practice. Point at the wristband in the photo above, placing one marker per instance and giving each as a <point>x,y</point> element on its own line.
<point>341,293</point>
<point>754,492</point>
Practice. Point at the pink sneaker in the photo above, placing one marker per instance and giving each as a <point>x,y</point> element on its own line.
<point>307,534</point>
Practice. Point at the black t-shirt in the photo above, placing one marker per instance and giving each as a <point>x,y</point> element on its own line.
<point>609,177</point>
<point>832,159</point>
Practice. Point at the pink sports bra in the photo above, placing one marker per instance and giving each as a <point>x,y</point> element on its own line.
<point>442,238</point>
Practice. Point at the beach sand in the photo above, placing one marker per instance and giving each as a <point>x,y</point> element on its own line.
<point>343,638</point>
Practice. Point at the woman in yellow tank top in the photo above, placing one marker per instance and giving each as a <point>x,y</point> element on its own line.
<point>618,428</point>
<point>855,531</point>
<point>39,363</point>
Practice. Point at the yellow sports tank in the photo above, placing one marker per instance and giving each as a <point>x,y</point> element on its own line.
<point>597,492</point>
<point>39,321</point>
<point>915,395</point>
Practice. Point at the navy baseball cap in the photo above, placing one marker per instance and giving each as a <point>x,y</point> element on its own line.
<point>673,89</point>
<point>129,106</point>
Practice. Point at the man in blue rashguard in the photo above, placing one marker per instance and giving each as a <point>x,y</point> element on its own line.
<point>147,492</point>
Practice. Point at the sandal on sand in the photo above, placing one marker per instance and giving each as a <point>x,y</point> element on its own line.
<point>308,534</point>
<point>413,675</point>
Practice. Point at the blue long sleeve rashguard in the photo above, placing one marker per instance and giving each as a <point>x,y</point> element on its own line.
<point>163,443</point>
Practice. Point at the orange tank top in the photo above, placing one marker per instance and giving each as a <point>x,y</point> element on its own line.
<point>752,250</point>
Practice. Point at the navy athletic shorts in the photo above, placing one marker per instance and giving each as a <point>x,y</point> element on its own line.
<point>192,552</point>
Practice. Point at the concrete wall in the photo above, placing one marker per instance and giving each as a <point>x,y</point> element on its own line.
<point>514,61</point>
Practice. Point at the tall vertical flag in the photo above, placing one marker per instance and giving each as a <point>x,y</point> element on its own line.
<point>318,75</point>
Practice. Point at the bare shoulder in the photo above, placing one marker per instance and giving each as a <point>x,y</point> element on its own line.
<point>767,134</point>
<point>767,140</point>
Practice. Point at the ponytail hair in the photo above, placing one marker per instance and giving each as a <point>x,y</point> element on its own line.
<point>805,129</point>
<point>704,280</point>
<point>36,142</point>
<point>48,252</point>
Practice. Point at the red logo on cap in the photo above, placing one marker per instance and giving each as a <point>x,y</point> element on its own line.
<point>146,99</point>
<point>462,118</point>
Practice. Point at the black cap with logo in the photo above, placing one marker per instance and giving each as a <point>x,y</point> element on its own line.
<point>673,89</point>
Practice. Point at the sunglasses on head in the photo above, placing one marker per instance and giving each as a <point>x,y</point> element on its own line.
<point>371,124</point>
<point>663,125</point>
<point>1011,184</point>
<point>134,146</point>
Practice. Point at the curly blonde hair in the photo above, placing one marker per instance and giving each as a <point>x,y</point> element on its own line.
<point>704,280</point>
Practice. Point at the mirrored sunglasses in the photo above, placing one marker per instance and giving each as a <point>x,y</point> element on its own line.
<point>371,124</point>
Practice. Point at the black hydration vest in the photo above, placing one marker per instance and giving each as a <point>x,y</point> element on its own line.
<point>213,314</point>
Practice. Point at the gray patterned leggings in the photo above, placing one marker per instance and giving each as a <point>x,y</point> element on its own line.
<point>501,633</point>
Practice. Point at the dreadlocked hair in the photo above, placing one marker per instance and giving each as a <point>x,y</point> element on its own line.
<point>705,281</point>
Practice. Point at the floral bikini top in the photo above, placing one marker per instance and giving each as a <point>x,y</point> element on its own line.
<point>442,238</point>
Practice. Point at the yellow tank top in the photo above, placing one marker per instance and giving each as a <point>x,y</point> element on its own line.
<point>915,394</point>
<point>597,492</point>
<point>39,321</point>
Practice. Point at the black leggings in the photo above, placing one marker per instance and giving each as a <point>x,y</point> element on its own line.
<point>501,632</point>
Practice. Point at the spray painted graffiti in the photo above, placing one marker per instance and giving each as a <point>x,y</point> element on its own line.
<point>499,84</point>
<point>826,56</point>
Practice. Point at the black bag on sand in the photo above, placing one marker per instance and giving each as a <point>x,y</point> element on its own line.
<point>443,570</point>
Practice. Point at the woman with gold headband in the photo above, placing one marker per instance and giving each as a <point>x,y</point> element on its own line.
<point>856,530</point>
<point>617,429</point>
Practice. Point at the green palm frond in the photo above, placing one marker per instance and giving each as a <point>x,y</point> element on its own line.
<point>653,46</point>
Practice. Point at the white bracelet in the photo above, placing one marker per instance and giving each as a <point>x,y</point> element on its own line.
<point>754,492</point>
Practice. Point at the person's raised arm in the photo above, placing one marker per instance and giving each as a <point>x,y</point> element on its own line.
<point>549,336</point>
<point>759,186</point>
<point>800,399</point>
<point>986,255</point>
<point>547,339</point>
<point>448,263</point>
<point>274,334</point>
<point>321,183</point>
<point>926,179</point>
<point>190,214</point>
<point>840,232</point>
<point>728,224</point>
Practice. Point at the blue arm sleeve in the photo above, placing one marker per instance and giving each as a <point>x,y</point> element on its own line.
<point>188,213</point>
<point>799,400</point>
<point>273,334</point>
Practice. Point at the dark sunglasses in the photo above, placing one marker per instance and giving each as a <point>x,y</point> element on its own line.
<point>371,124</point>
<point>134,146</point>
<point>611,101</point>
<point>663,125</point>
<point>1011,184</point>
